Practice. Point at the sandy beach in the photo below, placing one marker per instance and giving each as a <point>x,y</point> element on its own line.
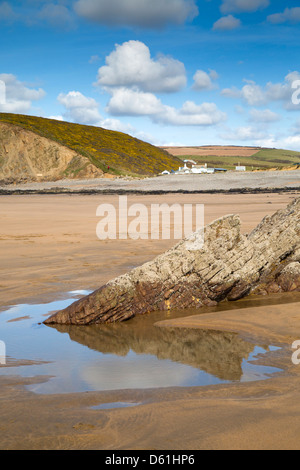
<point>49,247</point>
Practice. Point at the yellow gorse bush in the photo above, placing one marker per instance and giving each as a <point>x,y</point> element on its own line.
<point>111,151</point>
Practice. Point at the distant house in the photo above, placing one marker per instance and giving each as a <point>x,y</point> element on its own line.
<point>189,163</point>
<point>240,168</point>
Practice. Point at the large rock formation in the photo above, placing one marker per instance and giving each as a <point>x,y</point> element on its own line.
<point>228,266</point>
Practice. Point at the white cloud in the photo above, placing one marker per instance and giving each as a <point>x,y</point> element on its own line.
<point>141,13</point>
<point>18,96</point>
<point>289,15</point>
<point>247,6</point>
<point>292,142</point>
<point>264,116</point>
<point>127,102</point>
<point>191,114</point>
<point>131,65</point>
<point>227,23</point>
<point>253,94</point>
<point>84,110</point>
<point>232,92</point>
<point>244,134</point>
<point>203,80</point>
<point>130,102</point>
<point>56,118</point>
<point>256,95</point>
<point>116,125</point>
<point>80,108</point>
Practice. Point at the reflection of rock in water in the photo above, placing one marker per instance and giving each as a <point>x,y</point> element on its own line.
<point>217,353</point>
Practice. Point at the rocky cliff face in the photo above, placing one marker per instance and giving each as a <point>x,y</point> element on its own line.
<point>228,266</point>
<point>25,155</point>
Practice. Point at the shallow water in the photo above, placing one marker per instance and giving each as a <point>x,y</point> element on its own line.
<point>116,404</point>
<point>132,355</point>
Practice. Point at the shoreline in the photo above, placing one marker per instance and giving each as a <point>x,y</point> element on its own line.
<point>121,192</point>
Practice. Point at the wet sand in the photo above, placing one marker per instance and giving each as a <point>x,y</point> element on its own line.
<point>48,246</point>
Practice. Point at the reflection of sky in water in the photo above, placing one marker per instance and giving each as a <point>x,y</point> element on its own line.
<point>74,367</point>
<point>117,404</point>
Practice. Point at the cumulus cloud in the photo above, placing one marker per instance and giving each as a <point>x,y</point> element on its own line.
<point>291,142</point>
<point>227,23</point>
<point>84,110</point>
<point>18,96</point>
<point>204,80</point>
<point>289,15</point>
<point>119,126</point>
<point>246,6</point>
<point>264,116</point>
<point>244,134</point>
<point>80,108</point>
<point>131,65</point>
<point>127,102</point>
<point>141,13</point>
<point>256,95</point>
<point>191,114</point>
<point>130,102</point>
<point>251,93</point>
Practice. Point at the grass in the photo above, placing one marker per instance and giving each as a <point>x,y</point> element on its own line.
<point>113,152</point>
<point>264,159</point>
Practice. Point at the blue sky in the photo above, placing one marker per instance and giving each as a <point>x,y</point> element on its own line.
<point>172,72</point>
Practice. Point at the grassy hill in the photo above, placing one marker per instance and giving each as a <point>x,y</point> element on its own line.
<point>123,154</point>
<point>253,159</point>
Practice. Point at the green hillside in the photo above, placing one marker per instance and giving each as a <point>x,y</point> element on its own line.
<point>111,151</point>
<point>264,159</point>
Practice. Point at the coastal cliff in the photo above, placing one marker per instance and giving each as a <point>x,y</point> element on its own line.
<point>26,156</point>
<point>33,148</point>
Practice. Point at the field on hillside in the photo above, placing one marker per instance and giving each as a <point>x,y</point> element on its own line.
<point>253,158</point>
<point>111,151</point>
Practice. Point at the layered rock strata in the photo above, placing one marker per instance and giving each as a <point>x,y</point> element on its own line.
<point>26,156</point>
<point>227,266</point>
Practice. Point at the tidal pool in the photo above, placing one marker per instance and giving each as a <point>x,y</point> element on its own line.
<point>131,355</point>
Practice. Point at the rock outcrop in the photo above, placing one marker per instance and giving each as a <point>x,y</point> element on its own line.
<point>228,266</point>
<point>26,156</point>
